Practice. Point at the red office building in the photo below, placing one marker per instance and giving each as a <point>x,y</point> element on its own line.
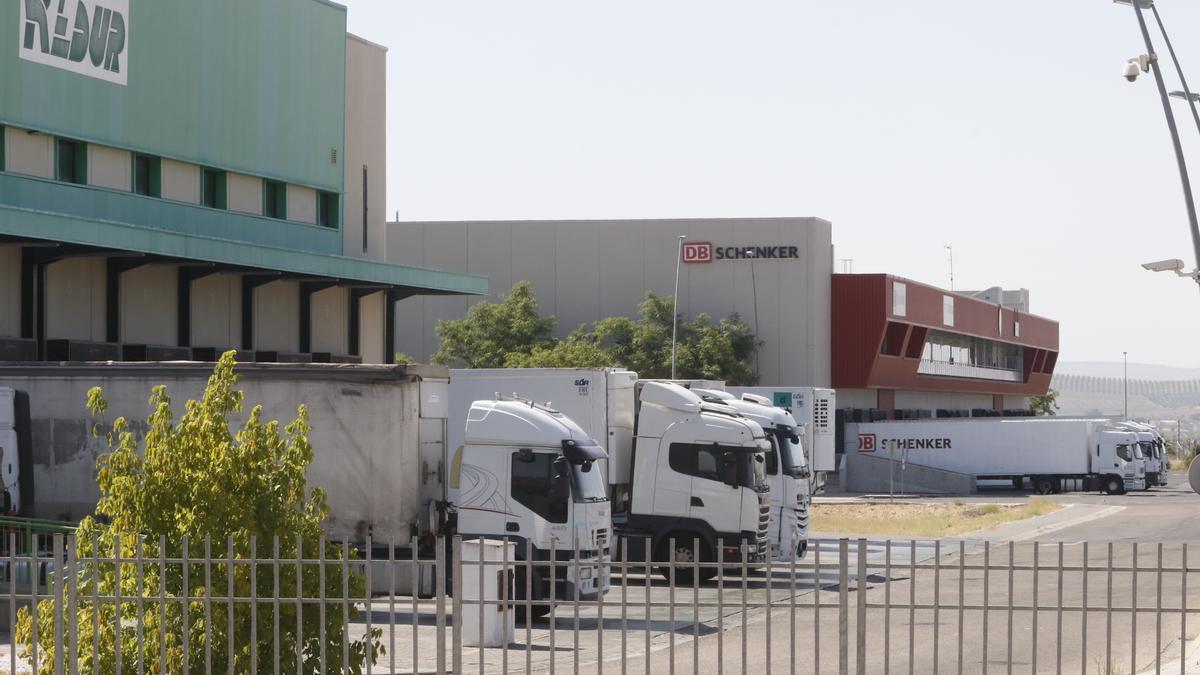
<point>903,349</point>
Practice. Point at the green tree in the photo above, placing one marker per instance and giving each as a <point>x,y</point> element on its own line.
<point>197,488</point>
<point>1046,404</point>
<point>492,331</point>
<point>579,350</point>
<point>511,334</point>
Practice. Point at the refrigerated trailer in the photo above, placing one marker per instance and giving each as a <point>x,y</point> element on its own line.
<point>1052,454</point>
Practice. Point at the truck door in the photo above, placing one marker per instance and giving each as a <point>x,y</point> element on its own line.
<point>710,500</point>
<point>536,510</point>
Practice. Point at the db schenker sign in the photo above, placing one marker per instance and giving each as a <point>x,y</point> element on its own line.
<point>706,252</point>
<point>88,37</point>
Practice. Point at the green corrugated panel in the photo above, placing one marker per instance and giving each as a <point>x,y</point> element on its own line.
<point>57,227</point>
<point>95,203</point>
<point>256,87</point>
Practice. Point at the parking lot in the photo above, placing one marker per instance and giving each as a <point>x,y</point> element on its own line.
<point>651,638</point>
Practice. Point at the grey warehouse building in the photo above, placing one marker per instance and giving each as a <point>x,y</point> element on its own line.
<point>775,273</point>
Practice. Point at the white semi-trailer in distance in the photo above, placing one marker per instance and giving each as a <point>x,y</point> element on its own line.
<point>1052,454</point>
<point>679,469</point>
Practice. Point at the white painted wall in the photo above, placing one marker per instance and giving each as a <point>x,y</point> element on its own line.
<point>245,193</point>
<point>110,168</point>
<point>863,399</point>
<point>370,329</point>
<point>180,181</point>
<point>217,311</point>
<point>30,154</point>
<point>10,292</point>
<point>366,145</point>
<point>330,320</point>
<point>583,271</point>
<point>302,204</point>
<point>75,300</point>
<point>277,317</point>
<point>148,304</point>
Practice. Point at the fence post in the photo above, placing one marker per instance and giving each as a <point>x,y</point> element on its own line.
<point>456,573</point>
<point>439,568</point>
<point>843,606</point>
<point>860,627</point>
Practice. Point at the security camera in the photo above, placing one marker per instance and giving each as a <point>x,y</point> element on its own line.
<point>1132,71</point>
<point>1172,265</point>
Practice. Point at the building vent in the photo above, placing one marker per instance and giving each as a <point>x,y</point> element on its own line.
<point>333,156</point>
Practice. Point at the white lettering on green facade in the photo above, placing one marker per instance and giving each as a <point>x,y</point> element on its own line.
<point>88,37</point>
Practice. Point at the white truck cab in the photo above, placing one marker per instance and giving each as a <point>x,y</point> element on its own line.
<point>1120,448</point>
<point>788,472</point>
<point>698,473</point>
<point>528,473</point>
<point>1154,449</point>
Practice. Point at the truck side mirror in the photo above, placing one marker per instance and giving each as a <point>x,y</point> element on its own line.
<point>729,470</point>
<point>560,486</point>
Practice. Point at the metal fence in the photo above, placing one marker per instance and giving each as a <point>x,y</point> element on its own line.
<point>850,606</point>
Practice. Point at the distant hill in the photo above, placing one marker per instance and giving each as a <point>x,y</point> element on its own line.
<point>1137,371</point>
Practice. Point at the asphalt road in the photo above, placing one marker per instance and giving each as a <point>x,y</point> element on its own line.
<point>1028,641</point>
<point>696,635</point>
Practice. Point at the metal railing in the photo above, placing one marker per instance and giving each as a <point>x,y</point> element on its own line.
<point>850,606</point>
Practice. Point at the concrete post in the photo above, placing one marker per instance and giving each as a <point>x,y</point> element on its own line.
<point>494,624</point>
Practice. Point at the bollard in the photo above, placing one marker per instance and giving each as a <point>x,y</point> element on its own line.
<point>499,627</point>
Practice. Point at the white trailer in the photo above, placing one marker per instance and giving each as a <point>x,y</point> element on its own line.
<point>378,450</point>
<point>1053,454</point>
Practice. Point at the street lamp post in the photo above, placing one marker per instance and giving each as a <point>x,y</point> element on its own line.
<point>675,304</point>
<point>1150,62</point>
<point>1126,357</point>
<point>1186,94</point>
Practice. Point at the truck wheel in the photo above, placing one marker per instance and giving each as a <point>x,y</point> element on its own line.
<point>1113,485</point>
<point>684,556</point>
<point>1043,485</point>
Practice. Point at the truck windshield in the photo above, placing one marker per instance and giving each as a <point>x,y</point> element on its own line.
<point>587,485</point>
<point>791,451</point>
<point>1148,449</point>
<point>1123,453</point>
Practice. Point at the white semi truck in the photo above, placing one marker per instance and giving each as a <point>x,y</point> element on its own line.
<point>1154,447</point>
<point>1053,454</point>
<point>679,469</point>
<point>813,409</point>
<point>377,434</point>
<point>787,471</point>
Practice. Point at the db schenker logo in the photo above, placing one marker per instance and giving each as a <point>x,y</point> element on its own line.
<point>698,252</point>
<point>866,442</point>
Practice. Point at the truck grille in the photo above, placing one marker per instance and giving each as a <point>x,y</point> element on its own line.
<point>764,520</point>
<point>802,516</point>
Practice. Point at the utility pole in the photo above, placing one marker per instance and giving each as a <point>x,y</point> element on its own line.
<point>1126,356</point>
<point>675,304</point>
<point>951,250</point>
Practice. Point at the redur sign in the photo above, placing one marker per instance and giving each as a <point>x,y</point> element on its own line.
<point>88,37</point>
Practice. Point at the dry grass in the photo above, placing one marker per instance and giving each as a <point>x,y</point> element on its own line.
<point>1179,464</point>
<point>922,520</point>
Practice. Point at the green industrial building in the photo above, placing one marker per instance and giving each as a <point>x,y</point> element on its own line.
<point>178,178</point>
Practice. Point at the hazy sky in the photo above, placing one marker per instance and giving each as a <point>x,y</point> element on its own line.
<point>1002,128</point>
